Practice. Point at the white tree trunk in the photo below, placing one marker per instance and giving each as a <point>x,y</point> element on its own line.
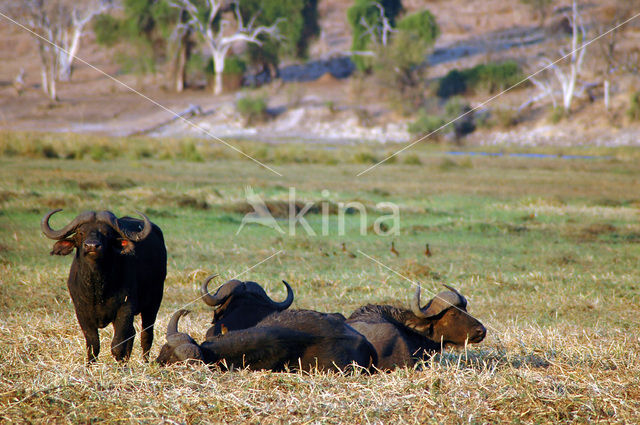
<point>181,61</point>
<point>606,94</point>
<point>218,67</point>
<point>53,95</point>
<point>45,83</point>
<point>568,88</point>
<point>65,58</point>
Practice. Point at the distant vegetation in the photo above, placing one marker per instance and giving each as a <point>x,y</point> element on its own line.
<point>252,108</point>
<point>492,77</point>
<point>634,107</point>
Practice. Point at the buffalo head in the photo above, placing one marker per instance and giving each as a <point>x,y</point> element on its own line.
<point>445,319</point>
<point>180,346</point>
<point>239,305</point>
<point>94,234</point>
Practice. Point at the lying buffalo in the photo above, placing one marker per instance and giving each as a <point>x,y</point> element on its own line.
<point>240,305</point>
<point>284,340</point>
<point>118,272</point>
<point>401,336</point>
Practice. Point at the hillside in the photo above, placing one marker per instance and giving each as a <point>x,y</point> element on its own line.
<point>323,100</point>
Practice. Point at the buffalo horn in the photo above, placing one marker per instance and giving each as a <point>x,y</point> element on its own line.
<point>172,327</point>
<point>287,302</point>
<point>66,230</point>
<point>438,304</point>
<point>224,292</point>
<point>109,218</point>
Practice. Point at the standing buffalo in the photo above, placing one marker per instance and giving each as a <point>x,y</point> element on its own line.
<point>401,336</point>
<point>284,340</point>
<point>240,305</point>
<point>118,272</point>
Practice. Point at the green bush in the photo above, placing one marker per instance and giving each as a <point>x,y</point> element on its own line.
<point>365,158</point>
<point>412,159</point>
<point>399,67</point>
<point>366,10</point>
<point>454,108</point>
<point>253,109</point>
<point>425,124</point>
<point>422,24</point>
<point>189,152</point>
<point>452,84</point>
<point>634,107</point>
<point>492,77</point>
<point>107,29</point>
<point>557,114</point>
<point>233,65</point>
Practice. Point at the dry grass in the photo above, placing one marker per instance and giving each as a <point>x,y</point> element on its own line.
<point>545,250</point>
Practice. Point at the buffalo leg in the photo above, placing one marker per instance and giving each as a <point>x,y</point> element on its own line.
<point>93,343</point>
<point>124,334</point>
<point>146,334</point>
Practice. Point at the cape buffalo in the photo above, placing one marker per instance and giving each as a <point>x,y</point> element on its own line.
<point>284,340</point>
<point>240,305</point>
<point>401,336</point>
<point>118,272</point>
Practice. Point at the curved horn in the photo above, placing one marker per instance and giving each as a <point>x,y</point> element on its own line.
<point>415,304</point>
<point>172,327</point>
<point>287,302</point>
<point>438,304</point>
<point>463,300</point>
<point>204,292</point>
<point>66,230</point>
<point>109,218</point>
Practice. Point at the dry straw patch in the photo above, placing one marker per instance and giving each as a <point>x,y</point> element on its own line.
<point>527,374</point>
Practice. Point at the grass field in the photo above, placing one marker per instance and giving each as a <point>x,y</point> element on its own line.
<point>546,251</point>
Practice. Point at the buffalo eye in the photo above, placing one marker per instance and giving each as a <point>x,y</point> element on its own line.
<point>125,246</point>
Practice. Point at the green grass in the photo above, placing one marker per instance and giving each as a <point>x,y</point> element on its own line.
<point>545,250</point>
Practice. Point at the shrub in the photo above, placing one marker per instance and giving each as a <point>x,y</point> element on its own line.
<point>189,152</point>
<point>456,107</point>
<point>634,107</point>
<point>556,114</point>
<point>452,84</point>
<point>253,109</point>
<point>425,124</point>
<point>494,77</point>
<point>365,158</point>
<point>367,11</point>
<point>233,65</point>
<point>400,68</point>
<point>491,77</point>
<point>412,159</point>
<point>506,117</point>
<point>421,24</point>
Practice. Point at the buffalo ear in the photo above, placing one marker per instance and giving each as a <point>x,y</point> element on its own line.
<point>63,247</point>
<point>126,247</point>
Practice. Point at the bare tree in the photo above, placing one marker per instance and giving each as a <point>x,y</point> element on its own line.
<point>80,14</point>
<point>181,39</point>
<point>60,25</point>
<point>567,75</point>
<point>217,33</point>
